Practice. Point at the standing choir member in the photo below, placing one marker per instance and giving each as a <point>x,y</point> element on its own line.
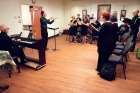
<point>78,17</point>
<point>105,42</point>
<point>135,27</point>
<point>124,30</point>
<point>115,28</point>
<point>73,29</point>
<point>84,27</point>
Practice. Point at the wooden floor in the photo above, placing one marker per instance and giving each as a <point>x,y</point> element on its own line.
<point>71,69</point>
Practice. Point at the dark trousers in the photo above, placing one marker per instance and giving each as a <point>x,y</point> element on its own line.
<point>134,40</point>
<point>102,59</point>
<point>42,49</point>
<point>17,52</point>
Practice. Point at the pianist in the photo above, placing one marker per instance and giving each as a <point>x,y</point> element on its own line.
<point>44,22</point>
<point>7,44</point>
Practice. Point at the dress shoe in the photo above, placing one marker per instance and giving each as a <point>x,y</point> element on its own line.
<point>4,87</point>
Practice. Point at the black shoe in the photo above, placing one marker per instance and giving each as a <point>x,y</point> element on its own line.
<point>131,50</point>
<point>5,87</point>
<point>98,73</point>
<point>47,48</point>
<point>23,61</point>
<point>97,70</point>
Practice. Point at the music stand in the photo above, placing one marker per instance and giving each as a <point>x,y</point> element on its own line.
<point>54,29</point>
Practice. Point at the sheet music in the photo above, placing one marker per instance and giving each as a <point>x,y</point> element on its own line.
<point>26,16</point>
<point>25,33</point>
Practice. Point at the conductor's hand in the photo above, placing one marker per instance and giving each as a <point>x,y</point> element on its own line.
<point>52,18</point>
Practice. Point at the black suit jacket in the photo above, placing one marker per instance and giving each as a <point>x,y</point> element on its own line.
<point>106,38</point>
<point>135,24</point>
<point>115,31</point>
<point>44,26</point>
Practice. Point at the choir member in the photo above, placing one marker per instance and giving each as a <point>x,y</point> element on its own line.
<point>115,28</point>
<point>73,29</point>
<point>105,41</point>
<point>84,27</point>
<point>135,27</point>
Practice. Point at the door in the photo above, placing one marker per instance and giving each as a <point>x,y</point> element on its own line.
<point>35,16</point>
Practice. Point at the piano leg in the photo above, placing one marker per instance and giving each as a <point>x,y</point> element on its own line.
<point>37,64</point>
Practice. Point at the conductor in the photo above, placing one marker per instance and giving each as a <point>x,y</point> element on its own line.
<point>44,21</point>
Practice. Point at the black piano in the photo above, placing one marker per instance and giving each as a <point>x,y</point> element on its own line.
<point>33,44</point>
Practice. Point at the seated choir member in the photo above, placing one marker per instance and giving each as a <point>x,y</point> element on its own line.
<point>8,45</point>
<point>105,41</point>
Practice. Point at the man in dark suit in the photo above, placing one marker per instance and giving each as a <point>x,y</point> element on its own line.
<point>44,22</point>
<point>44,33</point>
<point>135,27</point>
<point>105,42</point>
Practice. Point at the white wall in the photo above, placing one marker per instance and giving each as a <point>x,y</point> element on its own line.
<point>9,12</point>
<point>61,9</point>
<point>72,7</point>
<point>53,8</point>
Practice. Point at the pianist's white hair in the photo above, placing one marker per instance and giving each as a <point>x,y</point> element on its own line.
<point>4,28</point>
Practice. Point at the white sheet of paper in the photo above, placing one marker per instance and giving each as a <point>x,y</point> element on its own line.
<point>25,34</point>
